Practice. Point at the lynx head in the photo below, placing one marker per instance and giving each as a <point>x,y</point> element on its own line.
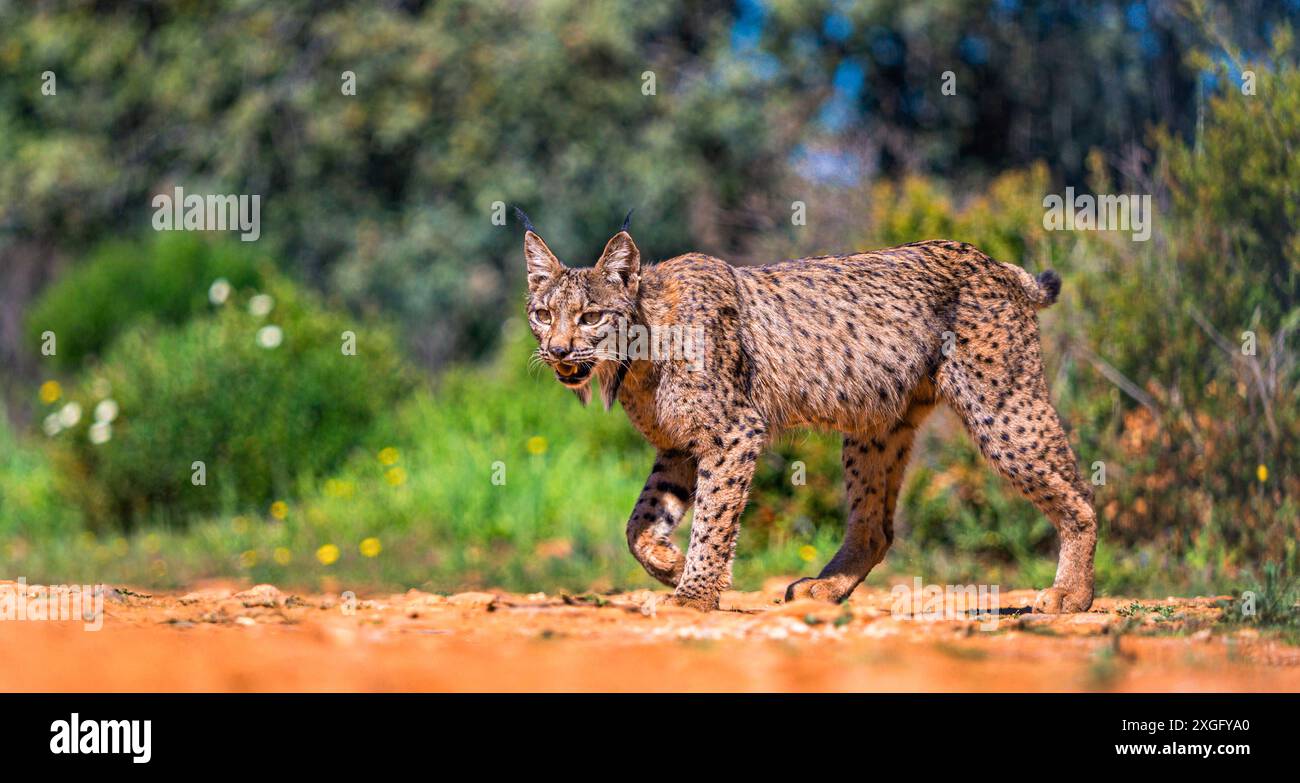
<point>574,312</point>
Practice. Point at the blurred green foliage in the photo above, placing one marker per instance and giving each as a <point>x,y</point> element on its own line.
<point>166,280</point>
<point>31,503</point>
<point>264,399</point>
<point>387,197</point>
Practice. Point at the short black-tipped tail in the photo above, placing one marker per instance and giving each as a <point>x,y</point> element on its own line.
<point>1042,290</point>
<point>1050,284</point>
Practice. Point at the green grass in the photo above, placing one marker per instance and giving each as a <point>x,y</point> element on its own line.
<point>1271,605</point>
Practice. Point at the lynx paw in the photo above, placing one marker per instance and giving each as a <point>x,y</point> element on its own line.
<point>1055,600</point>
<point>698,604</point>
<point>814,589</point>
<point>664,562</point>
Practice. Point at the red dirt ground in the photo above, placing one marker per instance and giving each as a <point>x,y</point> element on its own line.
<point>217,638</point>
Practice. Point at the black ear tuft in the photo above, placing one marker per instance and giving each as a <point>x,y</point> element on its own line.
<point>627,221</point>
<point>528,224</point>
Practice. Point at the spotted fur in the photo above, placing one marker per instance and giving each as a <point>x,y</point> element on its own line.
<point>865,344</point>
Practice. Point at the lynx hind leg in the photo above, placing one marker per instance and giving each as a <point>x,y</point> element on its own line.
<point>873,472</point>
<point>994,381</point>
<point>663,503</point>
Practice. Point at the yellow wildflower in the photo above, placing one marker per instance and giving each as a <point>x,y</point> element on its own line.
<point>51,391</point>
<point>327,554</point>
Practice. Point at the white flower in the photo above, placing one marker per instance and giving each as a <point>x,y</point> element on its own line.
<point>219,292</point>
<point>270,336</point>
<point>52,426</point>
<point>70,414</point>
<point>106,411</point>
<point>100,432</point>
<point>260,305</point>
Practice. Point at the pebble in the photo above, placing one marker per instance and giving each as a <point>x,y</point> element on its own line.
<point>472,600</point>
<point>260,595</point>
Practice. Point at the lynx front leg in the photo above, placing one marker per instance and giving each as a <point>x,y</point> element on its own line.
<point>723,488</point>
<point>662,506</point>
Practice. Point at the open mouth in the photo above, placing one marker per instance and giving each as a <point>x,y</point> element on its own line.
<point>573,373</point>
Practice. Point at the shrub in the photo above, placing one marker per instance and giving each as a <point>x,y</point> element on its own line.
<point>261,400</point>
<point>1144,354</point>
<point>165,279</point>
<point>30,503</point>
<point>1200,444</point>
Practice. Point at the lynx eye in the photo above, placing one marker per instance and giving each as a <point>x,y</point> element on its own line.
<point>591,317</point>
<point>542,315</point>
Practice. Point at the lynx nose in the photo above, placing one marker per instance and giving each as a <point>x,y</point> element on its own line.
<point>558,352</point>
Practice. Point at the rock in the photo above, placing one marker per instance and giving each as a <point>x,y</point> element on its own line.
<point>472,600</point>
<point>260,595</point>
<point>417,598</point>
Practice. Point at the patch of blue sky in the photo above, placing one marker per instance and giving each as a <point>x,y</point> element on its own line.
<point>1137,16</point>
<point>836,167</point>
<point>849,77</point>
<point>1149,42</point>
<point>761,64</point>
<point>841,109</point>
<point>747,30</point>
<point>837,113</point>
<point>974,49</point>
<point>837,27</point>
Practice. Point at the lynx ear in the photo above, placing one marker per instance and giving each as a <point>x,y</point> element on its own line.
<point>621,261</point>
<point>542,263</point>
